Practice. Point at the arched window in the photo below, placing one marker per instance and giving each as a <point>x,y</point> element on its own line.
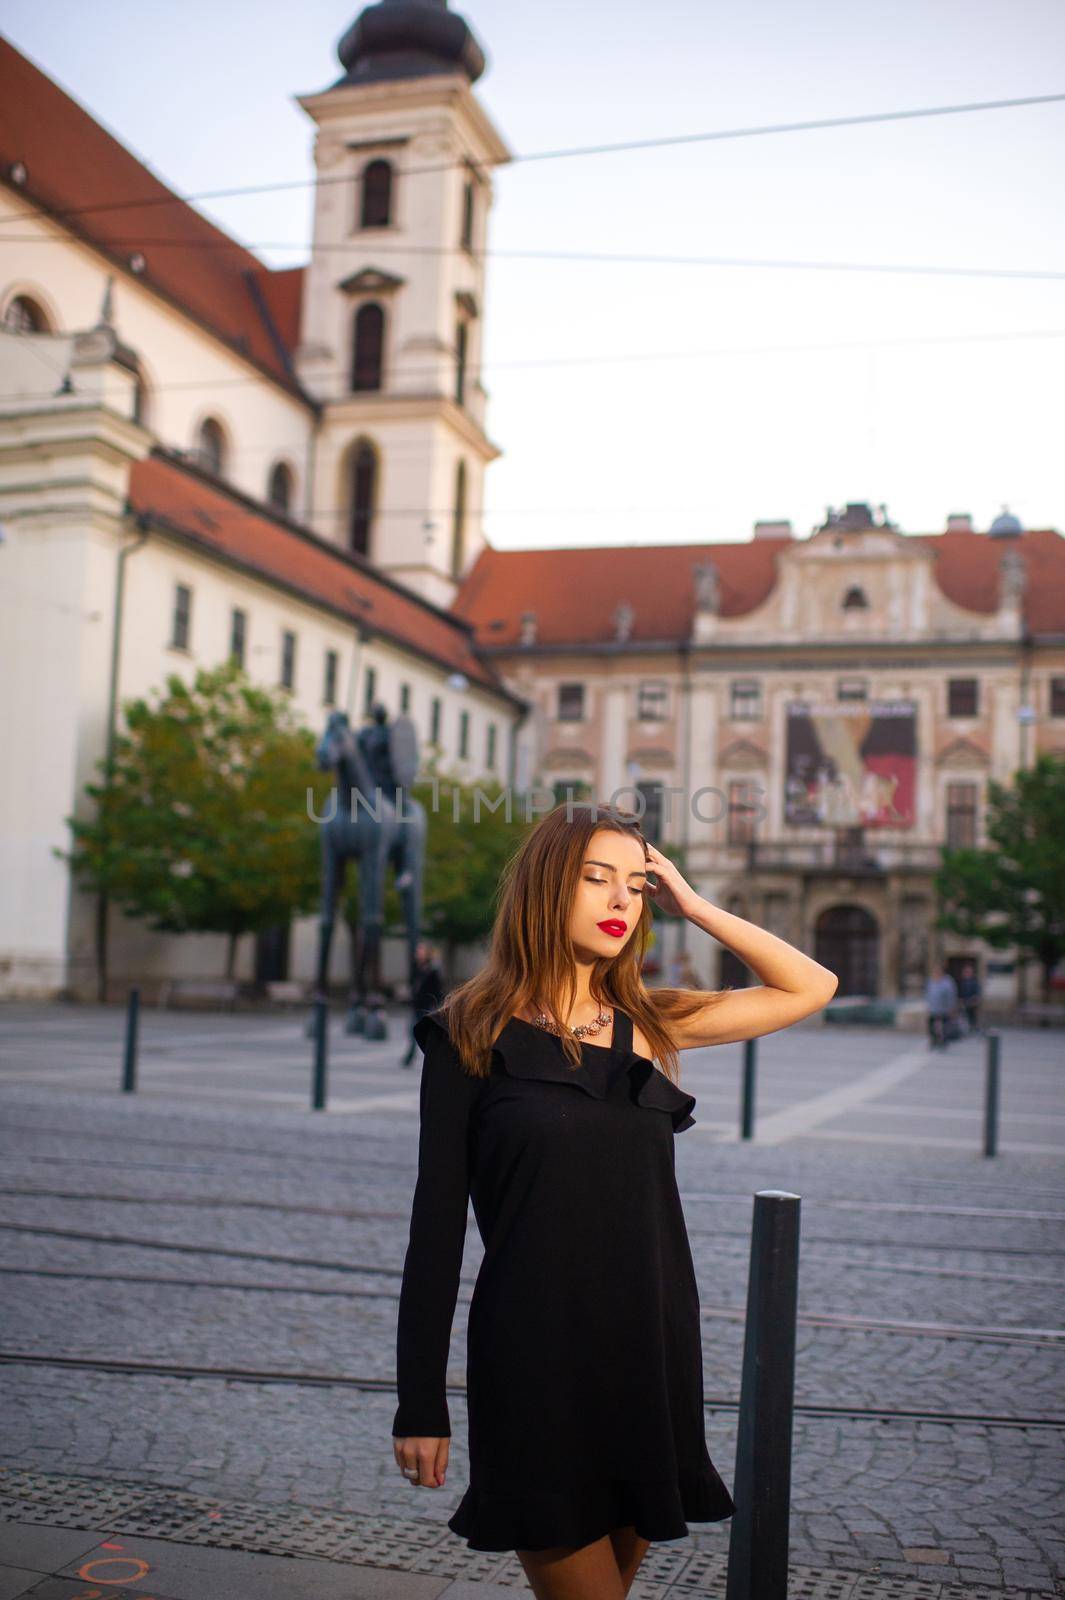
<point>461,346</point>
<point>281,487</point>
<point>855,599</point>
<point>369,349</point>
<point>24,315</point>
<point>363,495</point>
<point>458,523</point>
<point>376,210</point>
<point>211,446</point>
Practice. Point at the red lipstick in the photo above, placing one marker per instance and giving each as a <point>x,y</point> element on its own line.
<point>613,926</point>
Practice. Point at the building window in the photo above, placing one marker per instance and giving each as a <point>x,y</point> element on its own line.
<point>575,789</point>
<point>961,816</point>
<point>741,811</point>
<point>434,720</point>
<point>462,337</point>
<point>238,634</point>
<point>855,599</point>
<point>370,689</point>
<point>745,699</point>
<point>288,659</point>
<point>963,698</point>
<point>363,495</point>
<point>369,348</point>
<point>211,446</point>
<point>467,214</point>
<point>1057,697</point>
<point>651,822</point>
<point>570,702</point>
<point>458,521</point>
<point>852,689</point>
<point>376,210</point>
<point>23,315</point>
<point>182,617</point>
<point>464,734</point>
<point>329,688</point>
<point>280,489</point>
<point>140,401</point>
<point>651,702</point>
<point>490,746</point>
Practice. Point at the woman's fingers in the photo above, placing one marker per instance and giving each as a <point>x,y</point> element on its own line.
<point>422,1461</point>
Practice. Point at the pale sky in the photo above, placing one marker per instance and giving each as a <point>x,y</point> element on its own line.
<point>633,425</point>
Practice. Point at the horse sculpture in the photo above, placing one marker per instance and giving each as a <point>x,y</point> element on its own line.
<point>374,821</point>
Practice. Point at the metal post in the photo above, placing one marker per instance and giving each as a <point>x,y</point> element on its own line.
<point>129,1066</point>
<point>991,1094</point>
<point>321,1036</point>
<point>758,1536</point>
<point>747,1101</point>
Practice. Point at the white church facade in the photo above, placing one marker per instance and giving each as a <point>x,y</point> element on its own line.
<point>202,458</point>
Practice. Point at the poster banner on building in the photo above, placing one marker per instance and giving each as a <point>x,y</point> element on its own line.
<point>851,763</point>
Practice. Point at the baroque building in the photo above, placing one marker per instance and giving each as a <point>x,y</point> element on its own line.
<point>202,457</point>
<point>808,720</point>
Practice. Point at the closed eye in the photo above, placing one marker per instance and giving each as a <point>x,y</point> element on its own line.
<point>634,888</point>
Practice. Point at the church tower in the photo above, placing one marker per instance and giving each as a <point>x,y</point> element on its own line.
<point>393,297</point>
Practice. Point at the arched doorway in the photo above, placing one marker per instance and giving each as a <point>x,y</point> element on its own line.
<point>847,942</point>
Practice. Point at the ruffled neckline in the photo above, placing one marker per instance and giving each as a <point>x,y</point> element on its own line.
<point>527,1051</point>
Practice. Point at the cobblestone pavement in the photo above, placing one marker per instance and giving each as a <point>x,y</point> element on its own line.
<point>212,1221</point>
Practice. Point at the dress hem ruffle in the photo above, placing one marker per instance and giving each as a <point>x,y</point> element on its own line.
<point>530,1520</point>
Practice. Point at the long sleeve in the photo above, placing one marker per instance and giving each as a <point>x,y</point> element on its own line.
<point>433,1261</point>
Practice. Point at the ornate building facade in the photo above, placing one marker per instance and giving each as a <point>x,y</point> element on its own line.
<point>808,720</point>
<point>202,458</point>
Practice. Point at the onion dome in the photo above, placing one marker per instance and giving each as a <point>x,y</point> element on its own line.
<point>1005,525</point>
<point>408,39</point>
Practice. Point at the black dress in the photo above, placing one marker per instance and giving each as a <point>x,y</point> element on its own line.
<point>584,1361</point>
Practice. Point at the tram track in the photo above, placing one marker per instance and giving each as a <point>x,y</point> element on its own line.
<point>334,1380</point>
<point>350,1164</point>
<point>357,1213</point>
<point>840,1321</point>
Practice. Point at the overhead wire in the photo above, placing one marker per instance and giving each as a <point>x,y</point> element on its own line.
<point>626,358</point>
<point>621,146</point>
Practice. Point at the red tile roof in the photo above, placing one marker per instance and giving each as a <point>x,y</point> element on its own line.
<point>574,592</point>
<point>72,162</point>
<point>966,569</point>
<point>178,496</point>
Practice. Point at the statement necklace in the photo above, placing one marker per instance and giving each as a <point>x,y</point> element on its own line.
<point>585,1029</point>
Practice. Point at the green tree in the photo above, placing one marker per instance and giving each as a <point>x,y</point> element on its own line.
<point>1012,894</point>
<point>202,824</point>
<point>467,848</point>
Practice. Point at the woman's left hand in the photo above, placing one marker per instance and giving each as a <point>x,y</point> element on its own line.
<point>670,892</point>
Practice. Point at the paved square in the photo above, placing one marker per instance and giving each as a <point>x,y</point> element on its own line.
<point>201,1279</point>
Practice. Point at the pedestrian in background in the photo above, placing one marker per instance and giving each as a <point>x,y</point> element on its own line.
<point>941,998</point>
<point>969,993</point>
<point>427,991</point>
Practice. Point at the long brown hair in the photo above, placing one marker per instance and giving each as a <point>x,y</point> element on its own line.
<point>531,959</point>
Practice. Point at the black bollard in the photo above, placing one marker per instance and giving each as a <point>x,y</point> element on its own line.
<point>747,1099</point>
<point>321,1036</point>
<point>991,1094</point>
<point>758,1536</point>
<point>129,1066</point>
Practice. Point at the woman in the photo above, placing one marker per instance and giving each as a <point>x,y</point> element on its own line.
<point>540,1098</point>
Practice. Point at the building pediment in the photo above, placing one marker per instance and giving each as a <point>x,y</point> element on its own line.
<point>568,758</point>
<point>743,753</point>
<point>963,753</point>
<point>371,280</point>
<point>652,756</point>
